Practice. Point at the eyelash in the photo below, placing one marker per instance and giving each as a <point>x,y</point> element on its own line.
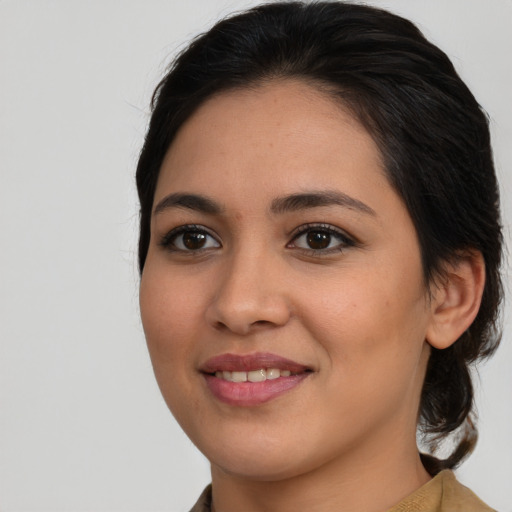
<point>345,241</point>
<point>168,241</point>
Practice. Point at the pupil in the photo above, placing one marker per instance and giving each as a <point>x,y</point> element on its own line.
<point>318,239</point>
<point>194,240</point>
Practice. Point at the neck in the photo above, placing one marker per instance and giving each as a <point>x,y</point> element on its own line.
<point>357,482</point>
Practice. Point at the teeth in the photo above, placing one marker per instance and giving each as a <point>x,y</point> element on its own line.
<point>253,375</point>
<point>257,376</point>
<point>273,373</point>
<point>238,376</point>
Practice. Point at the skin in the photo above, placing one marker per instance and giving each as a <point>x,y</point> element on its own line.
<point>358,313</point>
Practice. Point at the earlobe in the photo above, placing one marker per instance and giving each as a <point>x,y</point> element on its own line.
<point>456,299</point>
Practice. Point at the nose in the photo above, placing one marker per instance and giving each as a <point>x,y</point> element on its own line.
<point>250,295</point>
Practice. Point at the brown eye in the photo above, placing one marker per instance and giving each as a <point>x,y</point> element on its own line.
<point>189,239</point>
<point>194,240</point>
<point>321,239</point>
<point>318,239</point>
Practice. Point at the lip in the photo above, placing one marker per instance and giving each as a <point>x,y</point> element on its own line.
<point>250,394</point>
<point>247,362</point>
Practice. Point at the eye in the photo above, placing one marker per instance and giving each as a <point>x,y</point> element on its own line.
<point>189,239</point>
<point>320,238</point>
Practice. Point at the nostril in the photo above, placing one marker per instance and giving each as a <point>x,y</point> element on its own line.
<point>221,326</point>
<point>232,312</point>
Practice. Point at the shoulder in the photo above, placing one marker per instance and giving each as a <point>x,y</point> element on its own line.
<point>442,494</point>
<point>203,504</point>
<point>457,497</point>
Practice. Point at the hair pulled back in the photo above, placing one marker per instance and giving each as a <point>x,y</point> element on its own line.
<point>432,134</point>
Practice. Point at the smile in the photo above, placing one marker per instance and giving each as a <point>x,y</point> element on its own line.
<point>253,375</point>
<point>252,380</point>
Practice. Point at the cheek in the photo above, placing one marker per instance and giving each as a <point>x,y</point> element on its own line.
<point>373,337</point>
<point>170,317</point>
<point>170,321</point>
<point>369,322</point>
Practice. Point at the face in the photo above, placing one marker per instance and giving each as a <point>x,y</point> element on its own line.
<point>282,297</point>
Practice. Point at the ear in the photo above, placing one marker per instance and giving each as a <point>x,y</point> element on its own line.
<point>456,298</point>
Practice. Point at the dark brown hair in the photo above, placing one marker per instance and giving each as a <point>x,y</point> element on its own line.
<point>431,131</point>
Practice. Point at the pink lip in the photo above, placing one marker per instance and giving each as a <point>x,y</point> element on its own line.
<point>248,362</point>
<point>249,394</point>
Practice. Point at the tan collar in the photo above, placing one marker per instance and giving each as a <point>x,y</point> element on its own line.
<point>442,494</point>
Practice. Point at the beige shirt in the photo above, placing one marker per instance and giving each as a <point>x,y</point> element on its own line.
<point>442,494</point>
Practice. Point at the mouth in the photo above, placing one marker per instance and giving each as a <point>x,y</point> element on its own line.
<point>252,380</point>
<point>253,375</point>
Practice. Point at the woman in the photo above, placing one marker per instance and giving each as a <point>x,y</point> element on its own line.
<point>320,248</point>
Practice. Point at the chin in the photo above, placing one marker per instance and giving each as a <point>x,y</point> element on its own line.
<point>263,460</point>
<point>258,468</point>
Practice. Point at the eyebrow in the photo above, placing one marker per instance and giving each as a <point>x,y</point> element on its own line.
<point>190,202</point>
<point>316,199</point>
<point>279,206</point>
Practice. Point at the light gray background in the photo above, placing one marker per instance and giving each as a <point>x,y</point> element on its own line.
<point>82,423</point>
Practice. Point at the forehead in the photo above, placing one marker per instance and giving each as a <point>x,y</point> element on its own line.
<point>286,134</point>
